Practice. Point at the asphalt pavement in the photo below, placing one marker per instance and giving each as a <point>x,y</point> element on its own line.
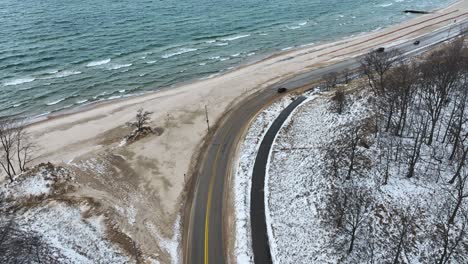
<point>204,237</point>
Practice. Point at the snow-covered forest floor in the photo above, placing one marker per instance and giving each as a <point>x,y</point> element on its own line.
<point>376,174</point>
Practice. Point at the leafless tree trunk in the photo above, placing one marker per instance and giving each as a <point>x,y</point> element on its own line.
<point>375,67</point>
<point>331,80</point>
<point>415,151</point>
<point>441,73</point>
<point>460,195</point>
<point>8,139</point>
<point>353,138</point>
<point>359,205</point>
<point>339,101</point>
<point>142,119</point>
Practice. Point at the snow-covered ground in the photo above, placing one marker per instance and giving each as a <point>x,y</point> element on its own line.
<point>40,225</point>
<point>243,176</point>
<point>293,191</point>
<point>301,185</point>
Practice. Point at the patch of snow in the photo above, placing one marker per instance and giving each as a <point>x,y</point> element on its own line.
<point>172,246</point>
<point>79,240</point>
<point>243,177</point>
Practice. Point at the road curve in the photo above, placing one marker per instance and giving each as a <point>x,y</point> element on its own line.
<point>260,243</point>
<point>204,240</point>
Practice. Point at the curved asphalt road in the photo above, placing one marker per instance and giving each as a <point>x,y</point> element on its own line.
<point>257,203</point>
<point>204,240</point>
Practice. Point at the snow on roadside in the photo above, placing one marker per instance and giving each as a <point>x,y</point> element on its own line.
<point>243,175</point>
<point>172,246</point>
<point>293,193</point>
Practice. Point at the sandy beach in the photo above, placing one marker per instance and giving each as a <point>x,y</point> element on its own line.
<point>159,165</point>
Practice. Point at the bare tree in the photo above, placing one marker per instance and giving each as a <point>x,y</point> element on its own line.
<point>375,65</point>
<point>440,74</point>
<point>142,119</point>
<point>8,139</point>
<point>448,238</point>
<point>358,206</point>
<point>352,139</point>
<point>346,75</point>
<point>415,150</point>
<point>460,195</point>
<point>405,225</point>
<point>24,147</point>
<point>339,101</point>
<point>16,148</point>
<point>331,80</point>
<point>461,162</point>
<point>402,84</point>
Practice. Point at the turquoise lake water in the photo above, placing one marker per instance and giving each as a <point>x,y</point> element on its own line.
<point>57,54</point>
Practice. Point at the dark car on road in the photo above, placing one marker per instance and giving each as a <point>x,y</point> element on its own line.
<point>416,42</point>
<point>281,90</point>
<point>381,49</point>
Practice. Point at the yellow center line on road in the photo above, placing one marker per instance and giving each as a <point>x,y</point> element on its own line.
<point>210,194</point>
<point>208,203</point>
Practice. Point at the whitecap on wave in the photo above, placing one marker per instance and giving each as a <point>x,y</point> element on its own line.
<point>19,81</point>
<point>386,5</point>
<point>55,102</point>
<point>61,74</point>
<point>98,63</point>
<point>235,37</point>
<point>118,66</point>
<point>179,52</point>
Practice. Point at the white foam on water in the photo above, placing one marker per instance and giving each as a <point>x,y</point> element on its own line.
<point>303,23</point>
<point>119,66</point>
<point>202,64</point>
<point>215,58</point>
<point>179,52</point>
<point>55,102</point>
<point>82,101</point>
<point>122,91</point>
<point>151,62</point>
<point>293,27</point>
<point>386,5</point>
<point>16,105</point>
<point>235,55</point>
<point>19,81</point>
<point>210,41</point>
<point>222,44</point>
<point>223,59</point>
<point>61,74</point>
<point>98,63</point>
<point>250,54</point>
<point>235,37</point>
<point>287,48</point>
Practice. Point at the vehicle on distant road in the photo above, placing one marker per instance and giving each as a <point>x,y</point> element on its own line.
<point>281,90</point>
<point>416,42</point>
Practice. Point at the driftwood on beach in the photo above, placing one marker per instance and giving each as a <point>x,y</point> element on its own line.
<point>416,12</point>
